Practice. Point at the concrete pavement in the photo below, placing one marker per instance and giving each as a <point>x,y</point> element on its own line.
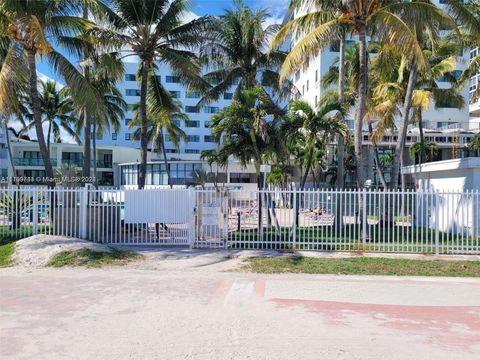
<point>120,313</point>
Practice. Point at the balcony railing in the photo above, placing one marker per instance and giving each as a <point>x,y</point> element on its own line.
<point>32,162</point>
<point>75,163</point>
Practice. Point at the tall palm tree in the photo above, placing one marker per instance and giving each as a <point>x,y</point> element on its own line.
<point>162,110</point>
<point>381,19</point>
<point>474,145</point>
<point>34,27</point>
<point>56,107</point>
<point>13,80</point>
<point>155,31</point>
<point>313,130</point>
<point>236,53</point>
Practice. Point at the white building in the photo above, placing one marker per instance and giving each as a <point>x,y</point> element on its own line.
<point>197,129</point>
<point>474,86</point>
<point>449,127</point>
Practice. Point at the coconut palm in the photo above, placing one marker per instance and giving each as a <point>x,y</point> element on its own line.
<point>312,130</point>
<point>104,71</point>
<point>56,108</point>
<point>214,156</point>
<point>382,19</point>
<point>236,53</point>
<point>13,80</point>
<point>474,145</point>
<point>155,31</point>
<point>34,27</point>
<point>162,111</point>
<point>428,150</point>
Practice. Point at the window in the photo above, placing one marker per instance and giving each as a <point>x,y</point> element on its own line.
<point>297,75</point>
<point>193,124</point>
<point>171,151</point>
<point>192,95</point>
<point>193,138</point>
<point>175,94</point>
<point>303,89</point>
<point>130,77</point>
<point>176,122</point>
<point>316,75</point>
<point>132,92</point>
<point>192,151</point>
<point>308,84</point>
<point>207,124</point>
<point>114,136</point>
<point>451,76</point>
<point>208,139</point>
<point>128,136</point>
<point>167,137</point>
<point>192,109</point>
<point>228,96</point>
<point>172,79</point>
<point>127,121</point>
<point>211,109</point>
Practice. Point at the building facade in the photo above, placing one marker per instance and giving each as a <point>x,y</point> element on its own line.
<point>450,128</point>
<point>197,128</point>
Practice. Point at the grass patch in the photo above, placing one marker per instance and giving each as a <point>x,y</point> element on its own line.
<point>92,259</point>
<point>7,249</point>
<point>363,266</point>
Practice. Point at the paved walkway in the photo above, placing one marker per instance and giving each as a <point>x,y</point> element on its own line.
<point>150,314</point>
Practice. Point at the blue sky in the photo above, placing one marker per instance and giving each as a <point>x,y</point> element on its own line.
<point>277,9</point>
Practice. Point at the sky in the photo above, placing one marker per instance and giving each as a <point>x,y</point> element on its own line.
<point>276,8</point>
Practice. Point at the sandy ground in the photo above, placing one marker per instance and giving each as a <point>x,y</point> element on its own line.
<point>178,303</point>
<point>120,313</point>
<point>35,251</point>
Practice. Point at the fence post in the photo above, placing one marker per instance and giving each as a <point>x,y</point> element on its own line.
<point>35,213</point>
<point>84,211</point>
<point>364,216</point>
<point>193,222</point>
<point>437,227</point>
<point>294,214</point>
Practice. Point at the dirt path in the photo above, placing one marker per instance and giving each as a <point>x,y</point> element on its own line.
<point>127,313</point>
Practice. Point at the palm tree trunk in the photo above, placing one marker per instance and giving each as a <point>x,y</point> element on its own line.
<point>9,149</point>
<point>341,99</point>
<point>48,136</point>
<point>142,170</point>
<point>35,103</point>
<point>87,120</point>
<point>87,131</point>
<point>165,161</point>
<point>402,131</point>
<point>307,170</point>
<point>423,155</point>
<point>361,104</point>
<point>94,144</point>
<point>377,160</point>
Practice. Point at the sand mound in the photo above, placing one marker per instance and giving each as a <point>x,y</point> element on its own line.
<point>37,250</point>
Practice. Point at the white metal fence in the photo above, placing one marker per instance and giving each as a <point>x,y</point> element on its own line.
<point>350,220</point>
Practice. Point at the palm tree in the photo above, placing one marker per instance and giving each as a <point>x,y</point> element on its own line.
<point>104,71</point>
<point>474,145</point>
<point>34,26</point>
<point>427,149</point>
<point>162,112</point>
<point>13,79</point>
<point>382,19</point>
<point>312,130</point>
<point>214,156</point>
<point>236,53</point>
<point>56,107</point>
<point>155,31</point>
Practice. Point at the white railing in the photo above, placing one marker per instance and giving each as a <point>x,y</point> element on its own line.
<point>350,220</point>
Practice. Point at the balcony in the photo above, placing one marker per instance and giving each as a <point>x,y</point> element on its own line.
<point>75,163</point>
<point>32,162</point>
